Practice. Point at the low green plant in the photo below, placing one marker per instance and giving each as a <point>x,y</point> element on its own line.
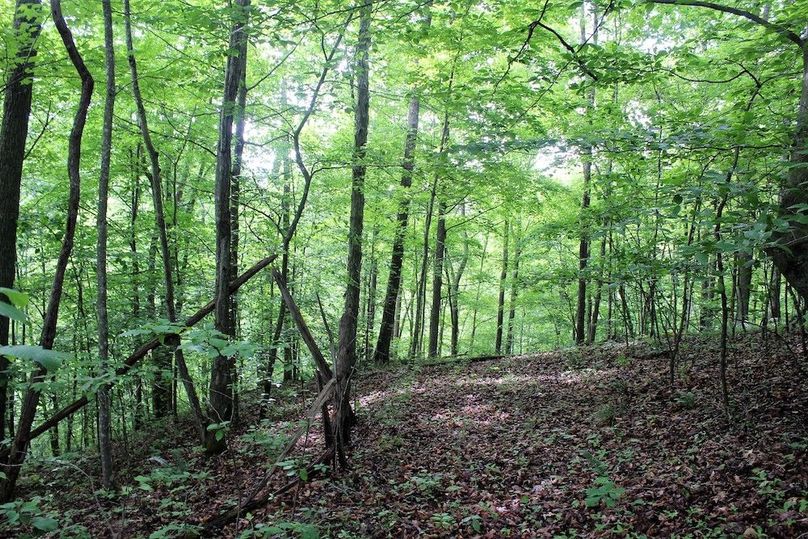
<point>685,400</point>
<point>444,520</point>
<point>282,530</point>
<point>604,492</point>
<point>606,414</point>
<point>28,514</point>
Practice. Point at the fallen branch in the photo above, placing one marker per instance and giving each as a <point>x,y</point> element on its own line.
<point>302,327</point>
<point>464,359</point>
<point>141,352</point>
<point>255,499</point>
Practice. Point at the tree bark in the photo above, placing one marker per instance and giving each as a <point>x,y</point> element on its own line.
<point>13,134</point>
<point>503,277</point>
<point>19,445</point>
<point>517,240</point>
<point>346,348</point>
<point>157,198</point>
<point>220,394</point>
<point>440,248</point>
<point>104,401</point>
<point>391,297</point>
<point>583,246</point>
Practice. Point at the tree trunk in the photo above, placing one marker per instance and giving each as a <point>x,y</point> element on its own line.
<point>503,277</point>
<point>19,445</point>
<point>370,300</point>
<point>743,262</point>
<point>13,134</point>
<point>583,246</point>
<point>346,348</point>
<point>420,291</point>
<point>595,314</point>
<point>517,240</point>
<point>157,198</point>
<point>135,275</point>
<point>437,281</point>
<point>220,394</point>
<point>392,295</point>
<point>104,401</point>
<point>440,248</point>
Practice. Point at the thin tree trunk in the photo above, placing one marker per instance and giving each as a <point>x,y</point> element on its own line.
<point>517,240</point>
<point>392,295</point>
<point>420,292</point>
<point>440,248</point>
<point>104,400</point>
<point>157,198</point>
<point>135,276</point>
<point>503,277</point>
<point>583,246</point>
<point>477,295</point>
<point>370,300</point>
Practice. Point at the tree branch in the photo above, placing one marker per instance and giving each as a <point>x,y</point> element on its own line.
<point>785,32</point>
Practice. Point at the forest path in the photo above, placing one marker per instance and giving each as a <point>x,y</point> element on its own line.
<point>534,446</point>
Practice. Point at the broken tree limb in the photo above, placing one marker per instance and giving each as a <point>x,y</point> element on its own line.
<point>141,352</point>
<point>255,499</point>
<point>302,328</point>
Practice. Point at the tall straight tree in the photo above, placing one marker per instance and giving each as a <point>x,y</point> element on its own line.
<point>440,249</point>
<point>220,393</point>
<point>391,297</point>
<point>160,223</point>
<point>13,133</point>
<point>104,404</point>
<point>583,245</point>
<point>503,277</point>
<point>345,360</point>
<point>382,352</point>
<point>21,442</point>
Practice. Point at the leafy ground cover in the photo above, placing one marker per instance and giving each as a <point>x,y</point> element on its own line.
<point>577,443</point>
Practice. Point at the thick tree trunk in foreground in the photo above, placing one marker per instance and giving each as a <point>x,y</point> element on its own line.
<point>792,262</point>
<point>13,133</point>
<point>346,347</point>
<point>220,394</point>
<point>104,401</point>
<point>19,446</point>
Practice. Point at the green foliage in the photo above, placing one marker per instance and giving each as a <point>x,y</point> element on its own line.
<point>606,414</point>
<point>605,492</point>
<point>51,360</point>
<point>29,514</point>
<point>12,305</point>
<point>282,530</point>
<point>686,400</point>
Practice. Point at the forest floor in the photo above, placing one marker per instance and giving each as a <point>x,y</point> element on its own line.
<point>576,443</point>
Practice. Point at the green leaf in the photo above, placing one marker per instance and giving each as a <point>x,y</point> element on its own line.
<point>50,359</point>
<point>18,299</point>
<point>11,312</point>
<point>45,524</point>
